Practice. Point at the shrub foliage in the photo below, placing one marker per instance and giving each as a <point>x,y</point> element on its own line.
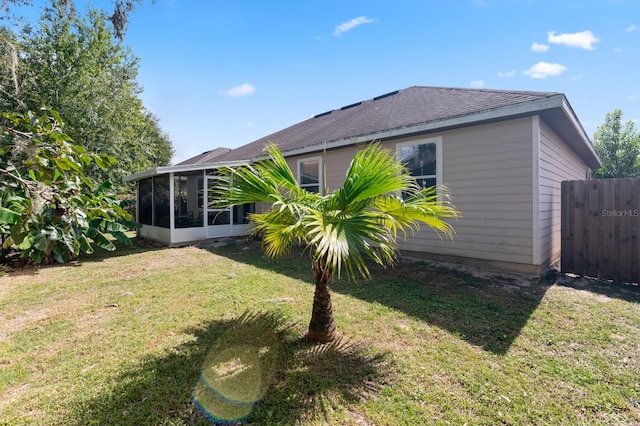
<point>50,209</point>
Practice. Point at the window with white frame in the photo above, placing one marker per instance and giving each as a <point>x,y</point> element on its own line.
<point>423,158</point>
<point>215,216</point>
<point>310,174</point>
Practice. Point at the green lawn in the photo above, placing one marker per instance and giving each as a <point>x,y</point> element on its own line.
<point>131,337</point>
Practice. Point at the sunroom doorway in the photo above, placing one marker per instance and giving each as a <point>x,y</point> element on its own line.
<point>224,222</point>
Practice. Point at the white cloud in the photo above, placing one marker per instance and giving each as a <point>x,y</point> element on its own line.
<point>242,90</point>
<point>477,83</point>
<point>347,26</point>
<point>632,28</point>
<point>507,74</point>
<point>539,47</point>
<point>542,70</point>
<point>582,40</point>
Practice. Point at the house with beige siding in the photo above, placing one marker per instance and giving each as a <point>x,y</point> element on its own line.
<point>502,154</point>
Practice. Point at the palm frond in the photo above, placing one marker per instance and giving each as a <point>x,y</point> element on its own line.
<point>344,242</point>
<point>240,185</point>
<point>281,229</point>
<point>428,206</point>
<point>279,172</point>
<point>372,173</point>
<point>270,180</point>
<point>358,221</point>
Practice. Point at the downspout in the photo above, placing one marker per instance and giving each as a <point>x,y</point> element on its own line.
<point>324,169</point>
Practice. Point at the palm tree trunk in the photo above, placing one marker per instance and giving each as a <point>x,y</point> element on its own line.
<point>322,327</point>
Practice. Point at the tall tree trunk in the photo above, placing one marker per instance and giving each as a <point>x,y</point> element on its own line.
<point>322,327</point>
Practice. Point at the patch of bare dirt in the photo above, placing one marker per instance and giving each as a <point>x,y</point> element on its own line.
<point>508,278</point>
<point>17,324</point>
<point>13,394</point>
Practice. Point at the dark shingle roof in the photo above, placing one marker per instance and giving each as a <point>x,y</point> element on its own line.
<point>412,106</point>
<point>204,158</point>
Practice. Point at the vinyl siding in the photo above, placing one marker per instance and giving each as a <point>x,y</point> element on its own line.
<point>558,162</point>
<point>335,164</point>
<point>488,172</point>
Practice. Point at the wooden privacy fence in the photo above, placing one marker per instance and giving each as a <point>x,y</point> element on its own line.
<point>600,221</point>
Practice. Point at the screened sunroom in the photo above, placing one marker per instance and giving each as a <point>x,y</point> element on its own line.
<point>172,204</point>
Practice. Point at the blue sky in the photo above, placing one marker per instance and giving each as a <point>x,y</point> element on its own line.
<point>224,73</point>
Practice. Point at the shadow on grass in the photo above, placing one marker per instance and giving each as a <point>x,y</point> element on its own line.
<point>20,267</point>
<point>628,292</point>
<point>488,313</point>
<point>252,368</point>
<point>138,245</point>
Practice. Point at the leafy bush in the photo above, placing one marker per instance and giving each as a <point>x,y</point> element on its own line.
<point>49,207</point>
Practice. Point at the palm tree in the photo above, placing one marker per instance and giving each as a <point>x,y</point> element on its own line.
<point>342,229</point>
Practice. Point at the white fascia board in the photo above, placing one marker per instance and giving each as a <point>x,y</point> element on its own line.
<point>177,169</point>
<point>574,120</point>
<point>143,174</point>
<point>555,101</point>
<point>571,116</point>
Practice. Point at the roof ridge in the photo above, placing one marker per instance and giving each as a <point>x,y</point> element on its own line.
<point>398,109</point>
<point>441,88</point>
<point>483,89</point>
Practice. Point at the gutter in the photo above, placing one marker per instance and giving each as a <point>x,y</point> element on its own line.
<point>176,169</point>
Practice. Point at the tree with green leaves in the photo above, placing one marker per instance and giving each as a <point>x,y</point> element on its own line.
<point>73,64</point>
<point>618,146</point>
<point>50,209</point>
<point>359,221</point>
<point>119,18</point>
